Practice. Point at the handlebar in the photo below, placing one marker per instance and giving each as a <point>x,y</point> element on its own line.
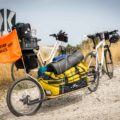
<point>60,36</point>
<point>53,35</point>
<point>38,40</point>
<point>101,36</point>
<point>112,32</point>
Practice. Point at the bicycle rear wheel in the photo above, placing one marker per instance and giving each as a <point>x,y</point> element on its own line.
<point>21,93</point>
<point>109,63</point>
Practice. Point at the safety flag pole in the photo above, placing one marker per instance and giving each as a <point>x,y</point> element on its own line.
<point>24,65</point>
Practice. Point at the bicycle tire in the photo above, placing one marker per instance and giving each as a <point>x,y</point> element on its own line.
<point>92,71</point>
<point>16,77</point>
<point>9,97</point>
<point>109,63</point>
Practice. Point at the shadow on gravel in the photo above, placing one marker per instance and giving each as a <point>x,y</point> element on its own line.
<point>62,102</point>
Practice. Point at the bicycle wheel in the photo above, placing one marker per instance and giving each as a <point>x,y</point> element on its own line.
<point>93,74</point>
<point>108,63</point>
<point>90,59</point>
<point>20,73</point>
<point>21,93</point>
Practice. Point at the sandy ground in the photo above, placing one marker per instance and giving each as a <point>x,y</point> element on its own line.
<point>104,104</point>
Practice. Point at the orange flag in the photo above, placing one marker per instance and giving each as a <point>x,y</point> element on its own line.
<point>10,50</point>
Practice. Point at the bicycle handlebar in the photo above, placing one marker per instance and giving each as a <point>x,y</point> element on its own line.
<point>112,32</point>
<point>101,36</point>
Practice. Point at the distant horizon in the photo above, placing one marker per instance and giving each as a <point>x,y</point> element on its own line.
<point>76,17</point>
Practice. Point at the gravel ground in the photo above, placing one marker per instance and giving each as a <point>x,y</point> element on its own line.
<point>104,104</point>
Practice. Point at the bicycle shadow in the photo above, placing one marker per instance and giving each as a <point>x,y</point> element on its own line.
<point>61,102</point>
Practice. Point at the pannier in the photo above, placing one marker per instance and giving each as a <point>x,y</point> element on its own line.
<point>23,30</point>
<point>30,60</point>
<point>62,65</point>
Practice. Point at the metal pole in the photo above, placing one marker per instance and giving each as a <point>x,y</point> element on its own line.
<point>1,33</point>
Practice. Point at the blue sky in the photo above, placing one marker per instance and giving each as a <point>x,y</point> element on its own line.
<point>76,17</point>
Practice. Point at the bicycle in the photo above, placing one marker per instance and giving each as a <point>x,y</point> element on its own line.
<point>58,47</point>
<point>105,64</point>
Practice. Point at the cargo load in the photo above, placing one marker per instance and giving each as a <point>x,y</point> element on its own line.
<point>62,65</point>
<point>73,78</point>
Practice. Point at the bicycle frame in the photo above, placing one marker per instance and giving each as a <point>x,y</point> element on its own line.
<point>50,57</point>
<point>99,63</point>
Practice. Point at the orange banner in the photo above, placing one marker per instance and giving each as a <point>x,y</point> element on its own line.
<point>10,50</point>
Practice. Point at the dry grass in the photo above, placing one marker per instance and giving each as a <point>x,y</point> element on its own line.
<point>115,49</point>
<point>5,77</point>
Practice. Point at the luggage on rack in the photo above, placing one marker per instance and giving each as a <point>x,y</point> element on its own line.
<point>72,79</point>
<point>62,65</point>
<point>23,30</point>
<point>24,34</point>
<point>55,59</point>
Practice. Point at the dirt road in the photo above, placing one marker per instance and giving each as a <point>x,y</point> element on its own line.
<point>104,104</point>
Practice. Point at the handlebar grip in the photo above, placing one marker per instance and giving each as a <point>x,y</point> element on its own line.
<point>53,35</point>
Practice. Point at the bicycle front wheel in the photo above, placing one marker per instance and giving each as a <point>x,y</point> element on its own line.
<point>93,74</point>
<point>21,94</point>
<point>90,59</point>
<point>109,63</point>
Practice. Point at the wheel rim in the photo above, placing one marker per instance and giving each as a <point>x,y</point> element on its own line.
<point>93,79</point>
<point>17,73</point>
<point>20,92</point>
<point>90,60</point>
<point>109,64</point>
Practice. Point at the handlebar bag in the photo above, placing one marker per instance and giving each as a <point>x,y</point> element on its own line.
<point>114,38</point>
<point>62,37</point>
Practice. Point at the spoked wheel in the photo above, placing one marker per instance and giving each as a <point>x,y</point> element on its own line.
<point>90,59</point>
<point>17,73</point>
<point>108,63</point>
<point>93,74</point>
<point>25,97</point>
<point>93,79</point>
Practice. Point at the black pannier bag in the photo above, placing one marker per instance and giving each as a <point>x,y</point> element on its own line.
<point>29,43</point>
<point>30,60</point>
<point>114,38</point>
<point>61,66</point>
<point>23,30</point>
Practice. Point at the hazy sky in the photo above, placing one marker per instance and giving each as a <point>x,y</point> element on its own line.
<point>76,17</point>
